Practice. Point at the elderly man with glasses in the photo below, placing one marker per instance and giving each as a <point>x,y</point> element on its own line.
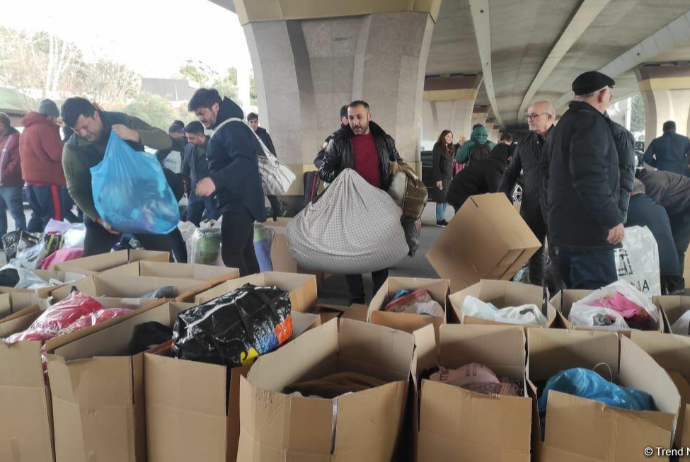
<point>584,221</point>
<point>540,117</point>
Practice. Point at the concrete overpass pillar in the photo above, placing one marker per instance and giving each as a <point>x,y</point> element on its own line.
<point>311,57</point>
<point>489,125</point>
<point>479,114</point>
<point>666,93</point>
<point>451,104</point>
<point>495,133</point>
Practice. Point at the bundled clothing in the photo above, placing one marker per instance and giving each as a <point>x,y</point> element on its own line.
<point>79,155</point>
<point>481,177</point>
<point>233,165</point>
<point>669,153</point>
<point>335,385</point>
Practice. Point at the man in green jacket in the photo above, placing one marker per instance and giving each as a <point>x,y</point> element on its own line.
<point>86,149</point>
<point>477,148</point>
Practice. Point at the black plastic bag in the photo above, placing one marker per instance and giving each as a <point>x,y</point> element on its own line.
<point>235,328</point>
<point>148,335</point>
<point>18,240</point>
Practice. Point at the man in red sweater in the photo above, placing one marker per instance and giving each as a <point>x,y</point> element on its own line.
<point>40,150</point>
<point>363,146</point>
<point>10,177</point>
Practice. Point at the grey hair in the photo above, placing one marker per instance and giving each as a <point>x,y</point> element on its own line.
<point>548,107</point>
<point>588,95</point>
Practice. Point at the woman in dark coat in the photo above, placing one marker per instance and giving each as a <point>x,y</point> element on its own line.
<point>444,151</point>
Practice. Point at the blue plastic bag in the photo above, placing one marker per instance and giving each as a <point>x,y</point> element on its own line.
<point>131,193</point>
<point>588,384</point>
<point>263,241</point>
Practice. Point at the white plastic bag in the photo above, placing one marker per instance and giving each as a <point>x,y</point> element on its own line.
<point>353,228</point>
<point>682,326</point>
<point>27,279</point>
<point>638,261</point>
<point>476,308</point>
<point>624,288</point>
<point>525,315</point>
<point>584,317</point>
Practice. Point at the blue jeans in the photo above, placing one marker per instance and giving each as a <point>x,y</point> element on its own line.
<point>46,202</point>
<point>441,210</point>
<point>590,270</point>
<point>11,197</point>
<point>201,208</point>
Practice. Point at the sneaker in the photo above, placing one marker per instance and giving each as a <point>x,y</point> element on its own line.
<point>444,222</point>
<point>441,223</point>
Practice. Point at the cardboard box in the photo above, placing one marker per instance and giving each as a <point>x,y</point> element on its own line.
<point>438,289</point>
<point>193,408</point>
<point>213,274</point>
<point>64,277</point>
<point>302,288</point>
<point>501,294</point>
<point>12,304</point>
<point>327,312</point>
<point>97,387</point>
<point>460,425</point>
<point>99,263</point>
<point>102,285</point>
<point>366,425</point>
<point>26,416</point>
<point>564,300</point>
<point>672,352</point>
<point>583,429</point>
<point>487,239</point>
<point>672,308</point>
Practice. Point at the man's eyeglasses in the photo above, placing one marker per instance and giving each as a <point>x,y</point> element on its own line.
<point>533,116</point>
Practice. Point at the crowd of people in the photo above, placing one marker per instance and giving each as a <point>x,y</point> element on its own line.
<point>580,184</point>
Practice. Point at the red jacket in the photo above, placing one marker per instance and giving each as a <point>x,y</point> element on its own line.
<point>10,168</point>
<point>40,149</point>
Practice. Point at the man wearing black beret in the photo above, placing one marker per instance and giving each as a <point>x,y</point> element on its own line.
<point>584,221</point>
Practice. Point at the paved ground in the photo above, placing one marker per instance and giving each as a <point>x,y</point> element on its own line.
<point>334,289</point>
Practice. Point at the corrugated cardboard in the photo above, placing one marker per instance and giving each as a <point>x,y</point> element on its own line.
<point>459,425</point>
<point>502,294</point>
<point>582,429</point>
<point>97,390</point>
<point>672,352</point>
<point>487,239</point>
<point>99,263</point>
<point>672,307</point>
<point>563,302</point>
<point>275,426</point>
<point>192,408</point>
<point>327,312</point>
<point>438,289</point>
<point>103,285</point>
<point>213,274</point>
<point>302,288</point>
<point>12,303</point>
<point>62,276</point>
<point>26,426</point>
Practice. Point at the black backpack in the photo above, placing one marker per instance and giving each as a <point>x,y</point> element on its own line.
<point>478,152</point>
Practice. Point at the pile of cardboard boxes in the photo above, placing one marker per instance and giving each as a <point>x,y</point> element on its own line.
<point>99,402</point>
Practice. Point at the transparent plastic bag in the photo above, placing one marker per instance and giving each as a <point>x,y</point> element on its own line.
<point>682,326</point>
<point>131,193</point>
<point>29,258</point>
<point>584,317</point>
<point>524,315</point>
<point>205,246</point>
<point>26,279</point>
<point>263,241</point>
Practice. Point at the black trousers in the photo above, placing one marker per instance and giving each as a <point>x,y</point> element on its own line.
<point>237,234</point>
<point>680,228</point>
<point>355,285</point>
<point>99,241</point>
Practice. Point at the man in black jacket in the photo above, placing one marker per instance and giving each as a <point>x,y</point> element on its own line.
<point>363,146</point>
<point>233,175</point>
<point>671,191</point>
<point>540,117</point>
<point>625,147</point>
<point>479,177</point>
<point>584,221</point>
<point>253,121</point>
<point>670,151</point>
<point>195,167</point>
<point>318,161</point>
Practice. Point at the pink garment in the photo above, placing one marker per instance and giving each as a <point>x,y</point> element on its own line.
<point>61,256</point>
<point>619,303</point>
<point>469,374</point>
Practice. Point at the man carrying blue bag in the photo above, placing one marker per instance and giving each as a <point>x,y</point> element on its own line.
<point>86,149</point>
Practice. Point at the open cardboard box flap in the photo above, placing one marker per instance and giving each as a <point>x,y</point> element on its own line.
<point>212,274</point>
<point>302,288</point>
<point>98,263</point>
<point>487,239</point>
<point>367,423</point>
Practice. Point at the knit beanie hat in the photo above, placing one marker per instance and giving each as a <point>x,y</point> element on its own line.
<point>49,108</point>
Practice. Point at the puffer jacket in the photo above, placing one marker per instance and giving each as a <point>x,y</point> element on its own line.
<point>339,154</point>
<point>40,149</point>
<point>233,164</point>
<point>625,145</point>
<point>583,180</point>
<point>668,189</point>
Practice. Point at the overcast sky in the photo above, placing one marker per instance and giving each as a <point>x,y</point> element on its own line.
<point>153,37</point>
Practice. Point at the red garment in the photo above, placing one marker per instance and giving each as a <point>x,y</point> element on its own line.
<point>10,167</point>
<point>40,150</point>
<point>366,159</point>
